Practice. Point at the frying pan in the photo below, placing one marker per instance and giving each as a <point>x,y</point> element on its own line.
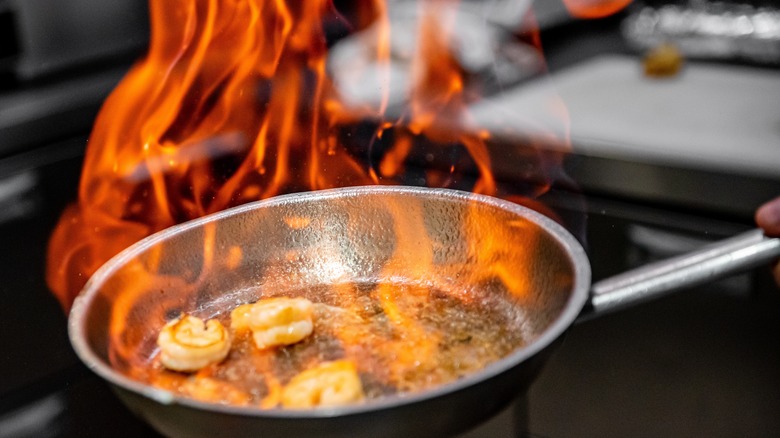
<point>355,234</point>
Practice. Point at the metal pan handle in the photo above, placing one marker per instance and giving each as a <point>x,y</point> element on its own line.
<point>711,262</point>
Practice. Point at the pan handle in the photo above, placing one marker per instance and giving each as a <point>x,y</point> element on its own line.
<point>720,259</point>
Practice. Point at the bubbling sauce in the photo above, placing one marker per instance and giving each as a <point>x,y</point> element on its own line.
<point>402,338</point>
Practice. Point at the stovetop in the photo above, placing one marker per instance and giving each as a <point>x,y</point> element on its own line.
<point>45,390</point>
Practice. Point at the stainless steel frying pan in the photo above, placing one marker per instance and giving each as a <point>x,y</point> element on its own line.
<point>352,234</point>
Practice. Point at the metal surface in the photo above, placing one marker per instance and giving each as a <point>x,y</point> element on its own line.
<point>351,236</point>
<point>355,235</point>
<point>709,30</point>
<point>48,37</point>
<point>740,253</point>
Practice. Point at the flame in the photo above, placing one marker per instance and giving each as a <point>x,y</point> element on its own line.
<point>438,98</point>
<point>226,108</point>
<point>595,8</point>
<point>233,103</point>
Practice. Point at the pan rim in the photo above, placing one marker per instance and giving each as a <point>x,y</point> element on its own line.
<point>577,300</point>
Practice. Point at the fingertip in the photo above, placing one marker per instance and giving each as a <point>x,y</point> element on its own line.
<point>768,217</point>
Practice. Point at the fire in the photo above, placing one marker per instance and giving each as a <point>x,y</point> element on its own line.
<point>233,103</point>
<point>595,8</point>
<point>226,108</point>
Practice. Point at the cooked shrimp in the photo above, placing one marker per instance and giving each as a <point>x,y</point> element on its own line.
<point>239,317</point>
<point>188,344</point>
<point>215,391</point>
<point>328,384</point>
<point>275,321</point>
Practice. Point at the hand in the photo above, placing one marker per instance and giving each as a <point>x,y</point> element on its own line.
<point>768,218</point>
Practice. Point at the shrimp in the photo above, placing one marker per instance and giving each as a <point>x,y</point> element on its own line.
<point>275,321</point>
<point>328,384</point>
<point>215,391</point>
<point>188,344</point>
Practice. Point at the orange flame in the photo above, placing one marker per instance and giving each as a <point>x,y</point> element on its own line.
<point>232,104</point>
<point>595,8</point>
<point>219,113</point>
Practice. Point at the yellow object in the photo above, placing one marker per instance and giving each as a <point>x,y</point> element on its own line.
<point>275,321</point>
<point>188,344</point>
<point>663,61</point>
<point>328,384</point>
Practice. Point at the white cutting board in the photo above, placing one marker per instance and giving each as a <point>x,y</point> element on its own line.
<point>710,116</point>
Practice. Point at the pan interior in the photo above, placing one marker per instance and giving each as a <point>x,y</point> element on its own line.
<point>507,261</point>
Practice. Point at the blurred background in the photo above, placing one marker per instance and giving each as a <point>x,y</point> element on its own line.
<point>673,140</point>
